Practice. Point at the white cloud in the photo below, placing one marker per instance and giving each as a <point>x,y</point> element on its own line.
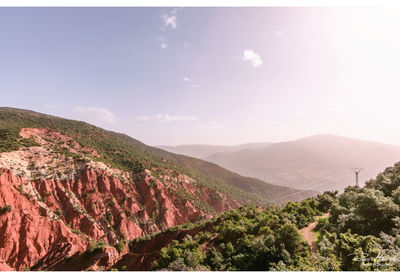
<point>51,106</point>
<point>163,42</point>
<point>186,79</point>
<point>165,118</point>
<point>170,20</point>
<point>194,85</point>
<point>252,57</point>
<point>186,44</point>
<point>94,114</point>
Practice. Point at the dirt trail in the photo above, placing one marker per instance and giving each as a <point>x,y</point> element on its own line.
<point>309,235</point>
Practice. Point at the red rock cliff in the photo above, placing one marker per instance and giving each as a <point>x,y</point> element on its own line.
<point>47,220</point>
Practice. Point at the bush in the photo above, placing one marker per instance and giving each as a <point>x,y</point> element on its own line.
<point>120,246</point>
<point>289,236</point>
<point>77,231</point>
<point>5,209</point>
<point>96,246</point>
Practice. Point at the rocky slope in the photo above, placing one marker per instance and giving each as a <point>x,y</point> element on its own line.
<point>54,205</point>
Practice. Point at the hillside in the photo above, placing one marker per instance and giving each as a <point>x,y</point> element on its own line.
<point>203,151</point>
<point>357,230</point>
<point>66,186</point>
<point>320,162</point>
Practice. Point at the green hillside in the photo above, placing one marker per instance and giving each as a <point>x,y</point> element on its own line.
<point>124,152</point>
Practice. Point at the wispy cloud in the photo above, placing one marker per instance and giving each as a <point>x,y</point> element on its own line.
<point>279,33</point>
<point>163,42</point>
<point>190,81</point>
<point>165,118</point>
<point>252,57</point>
<point>212,126</point>
<point>215,125</point>
<point>94,114</point>
<point>186,44</point>
<point>276,33</point>
<point>51,106</point>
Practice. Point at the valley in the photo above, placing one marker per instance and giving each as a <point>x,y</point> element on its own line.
<point>320,162</point>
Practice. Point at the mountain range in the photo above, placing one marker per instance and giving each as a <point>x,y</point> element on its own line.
<point>320,162</point>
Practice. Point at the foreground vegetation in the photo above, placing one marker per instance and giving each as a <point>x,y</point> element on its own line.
<point>248,238</point>
<point>361,233</point>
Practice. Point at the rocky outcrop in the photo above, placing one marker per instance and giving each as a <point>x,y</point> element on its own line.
<point>50,220</point>
<point>57,199</point>
<point>27,234</point>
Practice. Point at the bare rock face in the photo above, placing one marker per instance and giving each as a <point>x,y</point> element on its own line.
<point>26,234</point>
<point>46,219</point>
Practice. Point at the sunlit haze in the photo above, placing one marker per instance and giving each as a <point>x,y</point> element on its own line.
<point>226,76</point>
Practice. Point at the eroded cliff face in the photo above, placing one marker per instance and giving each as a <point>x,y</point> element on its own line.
<point>54,207</point>
<point>28,233</point>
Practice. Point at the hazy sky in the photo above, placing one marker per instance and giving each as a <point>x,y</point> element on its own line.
<point>207,75</point>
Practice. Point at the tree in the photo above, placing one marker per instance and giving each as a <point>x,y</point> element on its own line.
<point>289,236</point>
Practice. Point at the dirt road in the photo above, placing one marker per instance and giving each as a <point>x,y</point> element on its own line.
<point>309,235</point>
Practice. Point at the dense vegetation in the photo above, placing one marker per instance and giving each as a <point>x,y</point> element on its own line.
<point>249,238</point>
<point>363,229</point>
<point>126,153</point>
<point>362,232</point>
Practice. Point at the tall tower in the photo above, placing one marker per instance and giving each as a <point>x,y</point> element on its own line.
<point>356,171</point>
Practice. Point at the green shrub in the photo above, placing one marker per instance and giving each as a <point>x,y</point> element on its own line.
<point>120,246</point>
<point>77,231</point>
<point>96,246</point>
<point>5,209</point>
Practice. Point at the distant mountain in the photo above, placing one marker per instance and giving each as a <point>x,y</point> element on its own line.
<point>320,162</point>
<point>203,151</point>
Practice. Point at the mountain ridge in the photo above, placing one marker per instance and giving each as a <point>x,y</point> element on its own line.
<point>321,159</point>
<point>203,150</point>
<point>309,162</point>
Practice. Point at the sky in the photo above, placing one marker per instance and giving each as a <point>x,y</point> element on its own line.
<point>171,76</point>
